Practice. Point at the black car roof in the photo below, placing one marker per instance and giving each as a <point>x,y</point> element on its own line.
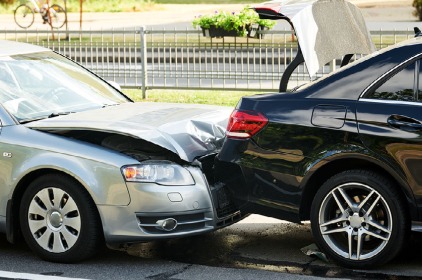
<point>350,81</point>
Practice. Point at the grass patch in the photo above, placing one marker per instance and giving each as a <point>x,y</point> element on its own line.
<point>213,97</point>
<point>387,40</point>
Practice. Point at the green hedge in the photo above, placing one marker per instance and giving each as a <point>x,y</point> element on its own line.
<point>418,6</point>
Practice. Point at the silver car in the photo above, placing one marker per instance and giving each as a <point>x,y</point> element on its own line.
<point>82,164</point>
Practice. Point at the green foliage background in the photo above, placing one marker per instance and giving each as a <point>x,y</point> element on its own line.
<point>8,6</point>
<point>418,9</point>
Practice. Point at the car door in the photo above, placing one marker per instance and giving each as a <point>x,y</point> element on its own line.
<point>389,119</point>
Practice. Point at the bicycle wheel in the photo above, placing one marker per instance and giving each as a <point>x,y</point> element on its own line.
<point>24,16</point>
<point>57,16</point>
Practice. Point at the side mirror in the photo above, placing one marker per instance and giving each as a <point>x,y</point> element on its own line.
<point>115,85</point>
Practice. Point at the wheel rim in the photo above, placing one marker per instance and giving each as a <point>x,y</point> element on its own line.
<point>355,221</point>
<point>54,220</point>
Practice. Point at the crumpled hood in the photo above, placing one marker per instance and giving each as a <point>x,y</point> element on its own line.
<point>188,130</point>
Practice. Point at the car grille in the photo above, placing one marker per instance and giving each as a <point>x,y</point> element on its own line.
<point>185,222</point>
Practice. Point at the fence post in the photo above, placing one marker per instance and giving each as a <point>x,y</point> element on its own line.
<point>333,65</point>
<point>143,62</point>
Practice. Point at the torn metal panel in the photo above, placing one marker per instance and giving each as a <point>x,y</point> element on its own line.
<point>325,29</point>
<point>188,130</point>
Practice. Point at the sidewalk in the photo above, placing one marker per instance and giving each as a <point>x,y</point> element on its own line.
<point>181,16</point>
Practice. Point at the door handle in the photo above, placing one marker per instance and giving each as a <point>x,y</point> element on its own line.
<point>404,123</point>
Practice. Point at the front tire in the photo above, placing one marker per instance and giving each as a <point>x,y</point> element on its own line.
<point>358,219</point>
<point>58,220</point>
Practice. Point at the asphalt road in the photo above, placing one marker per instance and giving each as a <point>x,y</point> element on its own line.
<point>256,248</point>
<point>210,256</point>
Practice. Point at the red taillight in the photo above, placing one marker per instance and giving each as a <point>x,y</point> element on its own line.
<point>245,124</point>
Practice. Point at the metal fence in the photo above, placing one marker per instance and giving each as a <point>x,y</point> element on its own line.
<point>148,58</point>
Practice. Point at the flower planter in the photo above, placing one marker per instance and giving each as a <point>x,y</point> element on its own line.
<point>247,21</point>
<point>255,29</point>
<point>217,32</point>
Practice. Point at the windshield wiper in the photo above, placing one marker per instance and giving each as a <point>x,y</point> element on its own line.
<point>30,120</point>
<point>52,115</point>
<point>108,105</point>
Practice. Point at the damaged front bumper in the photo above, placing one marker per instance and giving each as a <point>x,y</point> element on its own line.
<point>162,212</point>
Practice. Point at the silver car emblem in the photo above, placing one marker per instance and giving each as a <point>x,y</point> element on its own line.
<point>6,154</point>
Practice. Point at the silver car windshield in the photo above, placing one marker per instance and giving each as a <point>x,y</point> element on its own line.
<point>39,85</point>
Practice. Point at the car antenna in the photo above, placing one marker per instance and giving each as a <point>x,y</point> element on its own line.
<point>418,32</point>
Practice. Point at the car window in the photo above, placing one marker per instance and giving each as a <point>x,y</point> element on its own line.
<point>400,87</point>
<point>38,85</point>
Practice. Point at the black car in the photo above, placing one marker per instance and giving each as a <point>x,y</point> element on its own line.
<point>344,152</point>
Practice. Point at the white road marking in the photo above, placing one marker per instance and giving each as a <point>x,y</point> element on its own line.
<point>28,276</point>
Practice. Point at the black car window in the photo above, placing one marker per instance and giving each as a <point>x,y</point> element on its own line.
<point>400,87</point>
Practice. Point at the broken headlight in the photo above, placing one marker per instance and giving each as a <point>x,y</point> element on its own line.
<point>159,172</point>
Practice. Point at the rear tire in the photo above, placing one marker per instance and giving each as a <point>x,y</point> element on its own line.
<point>24,16</point>
<point>359,220</point>
<point>57,16</point>
<point>58,220</point>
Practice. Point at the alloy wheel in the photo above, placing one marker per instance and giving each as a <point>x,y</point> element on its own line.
<point>54,220</point>
<point>355,221</point>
